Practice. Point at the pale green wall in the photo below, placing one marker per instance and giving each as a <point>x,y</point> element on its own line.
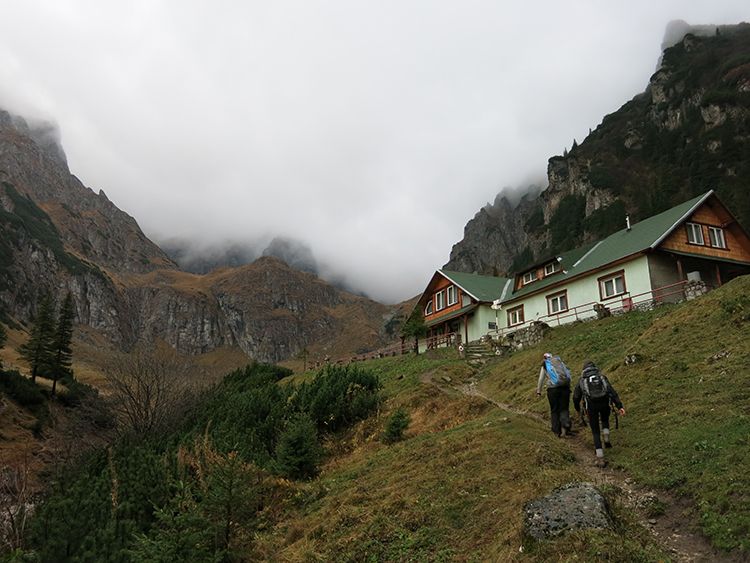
<point>582,291</point>
<point>478,327</point>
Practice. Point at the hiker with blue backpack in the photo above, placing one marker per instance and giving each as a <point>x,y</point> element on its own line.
<point>597,393</point>
<point>557,376</point>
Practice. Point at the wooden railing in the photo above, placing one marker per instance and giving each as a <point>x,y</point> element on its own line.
<point>440,340</point>
<point>627,302</point>
<point>622,304</point>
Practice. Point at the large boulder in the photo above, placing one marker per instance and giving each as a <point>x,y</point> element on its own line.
<point>570,507</point>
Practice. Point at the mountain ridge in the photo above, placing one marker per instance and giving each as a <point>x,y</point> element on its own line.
<point>59,236</point>
<point>688,132</point>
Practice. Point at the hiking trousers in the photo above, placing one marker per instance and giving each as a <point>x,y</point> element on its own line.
<point>559,405</point>
<point>598,410</point>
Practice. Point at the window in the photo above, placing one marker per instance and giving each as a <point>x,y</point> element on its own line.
<point>452,295</point>
<point>515,316</point>
<point>428,308</point>
<point>551,268</point>
<point>694,233</point>
<point>716,237</point>
<point>613,285</point>
<point>440,300</point>
<point>529,277</point>
<point>557,303</point>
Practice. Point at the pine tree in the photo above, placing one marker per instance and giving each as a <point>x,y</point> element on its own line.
<point>38,350</point>
<point>61,345</point>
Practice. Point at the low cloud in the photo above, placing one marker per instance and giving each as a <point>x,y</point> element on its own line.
<point>370,132</point>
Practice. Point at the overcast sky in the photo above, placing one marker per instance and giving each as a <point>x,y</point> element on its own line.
<point>372,131</point>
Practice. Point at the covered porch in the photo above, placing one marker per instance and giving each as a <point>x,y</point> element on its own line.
<point>449,330</point>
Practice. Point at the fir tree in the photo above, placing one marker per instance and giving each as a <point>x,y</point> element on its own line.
<point>61,344</point>
<point>415,328</point>
<point>394,428</point>
<point>38,350</point>
<point>298,452</point>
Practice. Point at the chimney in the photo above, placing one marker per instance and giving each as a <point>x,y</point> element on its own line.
<point>627,222</point>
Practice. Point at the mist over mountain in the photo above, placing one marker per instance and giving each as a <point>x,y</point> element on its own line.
<point>201,258</point>
<point>688,132</point>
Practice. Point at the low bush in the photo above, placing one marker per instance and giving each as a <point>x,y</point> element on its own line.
<point>21,390</point>
<point>395,426</point>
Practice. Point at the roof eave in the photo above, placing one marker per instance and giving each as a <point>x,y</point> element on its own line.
<point>462,288</point>
<point>685,215</point>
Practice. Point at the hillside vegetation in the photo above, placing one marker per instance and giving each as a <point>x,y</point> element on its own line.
<point>453,489</point>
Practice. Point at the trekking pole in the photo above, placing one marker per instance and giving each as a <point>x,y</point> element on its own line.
<point>617,416</point>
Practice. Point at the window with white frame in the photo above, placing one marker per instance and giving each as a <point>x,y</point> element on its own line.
<point>551,268</point>
<point>515,316</point>
<point>557,303</point>
<point>440,300</point>
<point>612,285</point>
<point>451,295</point>
<point>428,308</point>
<point>529,277</point>
<point>716,237</point>
<point>694,233</point>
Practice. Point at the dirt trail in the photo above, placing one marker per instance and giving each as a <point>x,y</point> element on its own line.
<point>675,529</point>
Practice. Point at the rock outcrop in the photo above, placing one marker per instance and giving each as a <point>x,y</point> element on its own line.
<point>58,236</point>
<point>687,133</point>
<point>574,506</point>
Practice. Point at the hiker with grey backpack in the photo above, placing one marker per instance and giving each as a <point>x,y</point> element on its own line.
<point>597,393</point>
<point>557,376</point>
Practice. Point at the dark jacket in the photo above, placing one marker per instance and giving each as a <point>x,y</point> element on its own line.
<point>578,394</point>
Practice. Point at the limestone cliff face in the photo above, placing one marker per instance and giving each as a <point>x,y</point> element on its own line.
<point>91,226</point>
<point>687,133</point>
<point>491,239</point>
<point>57,236</point>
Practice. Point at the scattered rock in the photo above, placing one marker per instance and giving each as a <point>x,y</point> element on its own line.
<point>631,359</point>
<point>719,355</point>
<point>446,378</point>
<point>570,507</point>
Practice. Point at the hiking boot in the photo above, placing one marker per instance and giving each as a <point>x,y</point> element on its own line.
<point>607,444</point>
<point>600,462</point>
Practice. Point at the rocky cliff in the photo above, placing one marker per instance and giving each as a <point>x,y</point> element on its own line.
<point>56,235</point>
<point>687,133</point>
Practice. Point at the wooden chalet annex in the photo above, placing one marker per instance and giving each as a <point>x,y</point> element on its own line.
<point>455,303</point>
<point>674,255</point>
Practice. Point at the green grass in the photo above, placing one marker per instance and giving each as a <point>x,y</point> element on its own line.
<point>688,423</point>
<point>452,490</point>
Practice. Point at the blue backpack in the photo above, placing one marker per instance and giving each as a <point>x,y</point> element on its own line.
<point>557,371</point>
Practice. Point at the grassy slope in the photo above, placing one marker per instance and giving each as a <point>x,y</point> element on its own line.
<point>455,488</point>
<point>688,422</point>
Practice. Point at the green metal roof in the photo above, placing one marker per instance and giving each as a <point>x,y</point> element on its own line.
<point>644,235</point>
<point>481,288</point>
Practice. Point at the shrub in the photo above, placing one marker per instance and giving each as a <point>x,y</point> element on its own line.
<point>338,396</point>
<point>395,426</point>
<point>86,399</point>
<point>21,390</point>
<point>298,452</point>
